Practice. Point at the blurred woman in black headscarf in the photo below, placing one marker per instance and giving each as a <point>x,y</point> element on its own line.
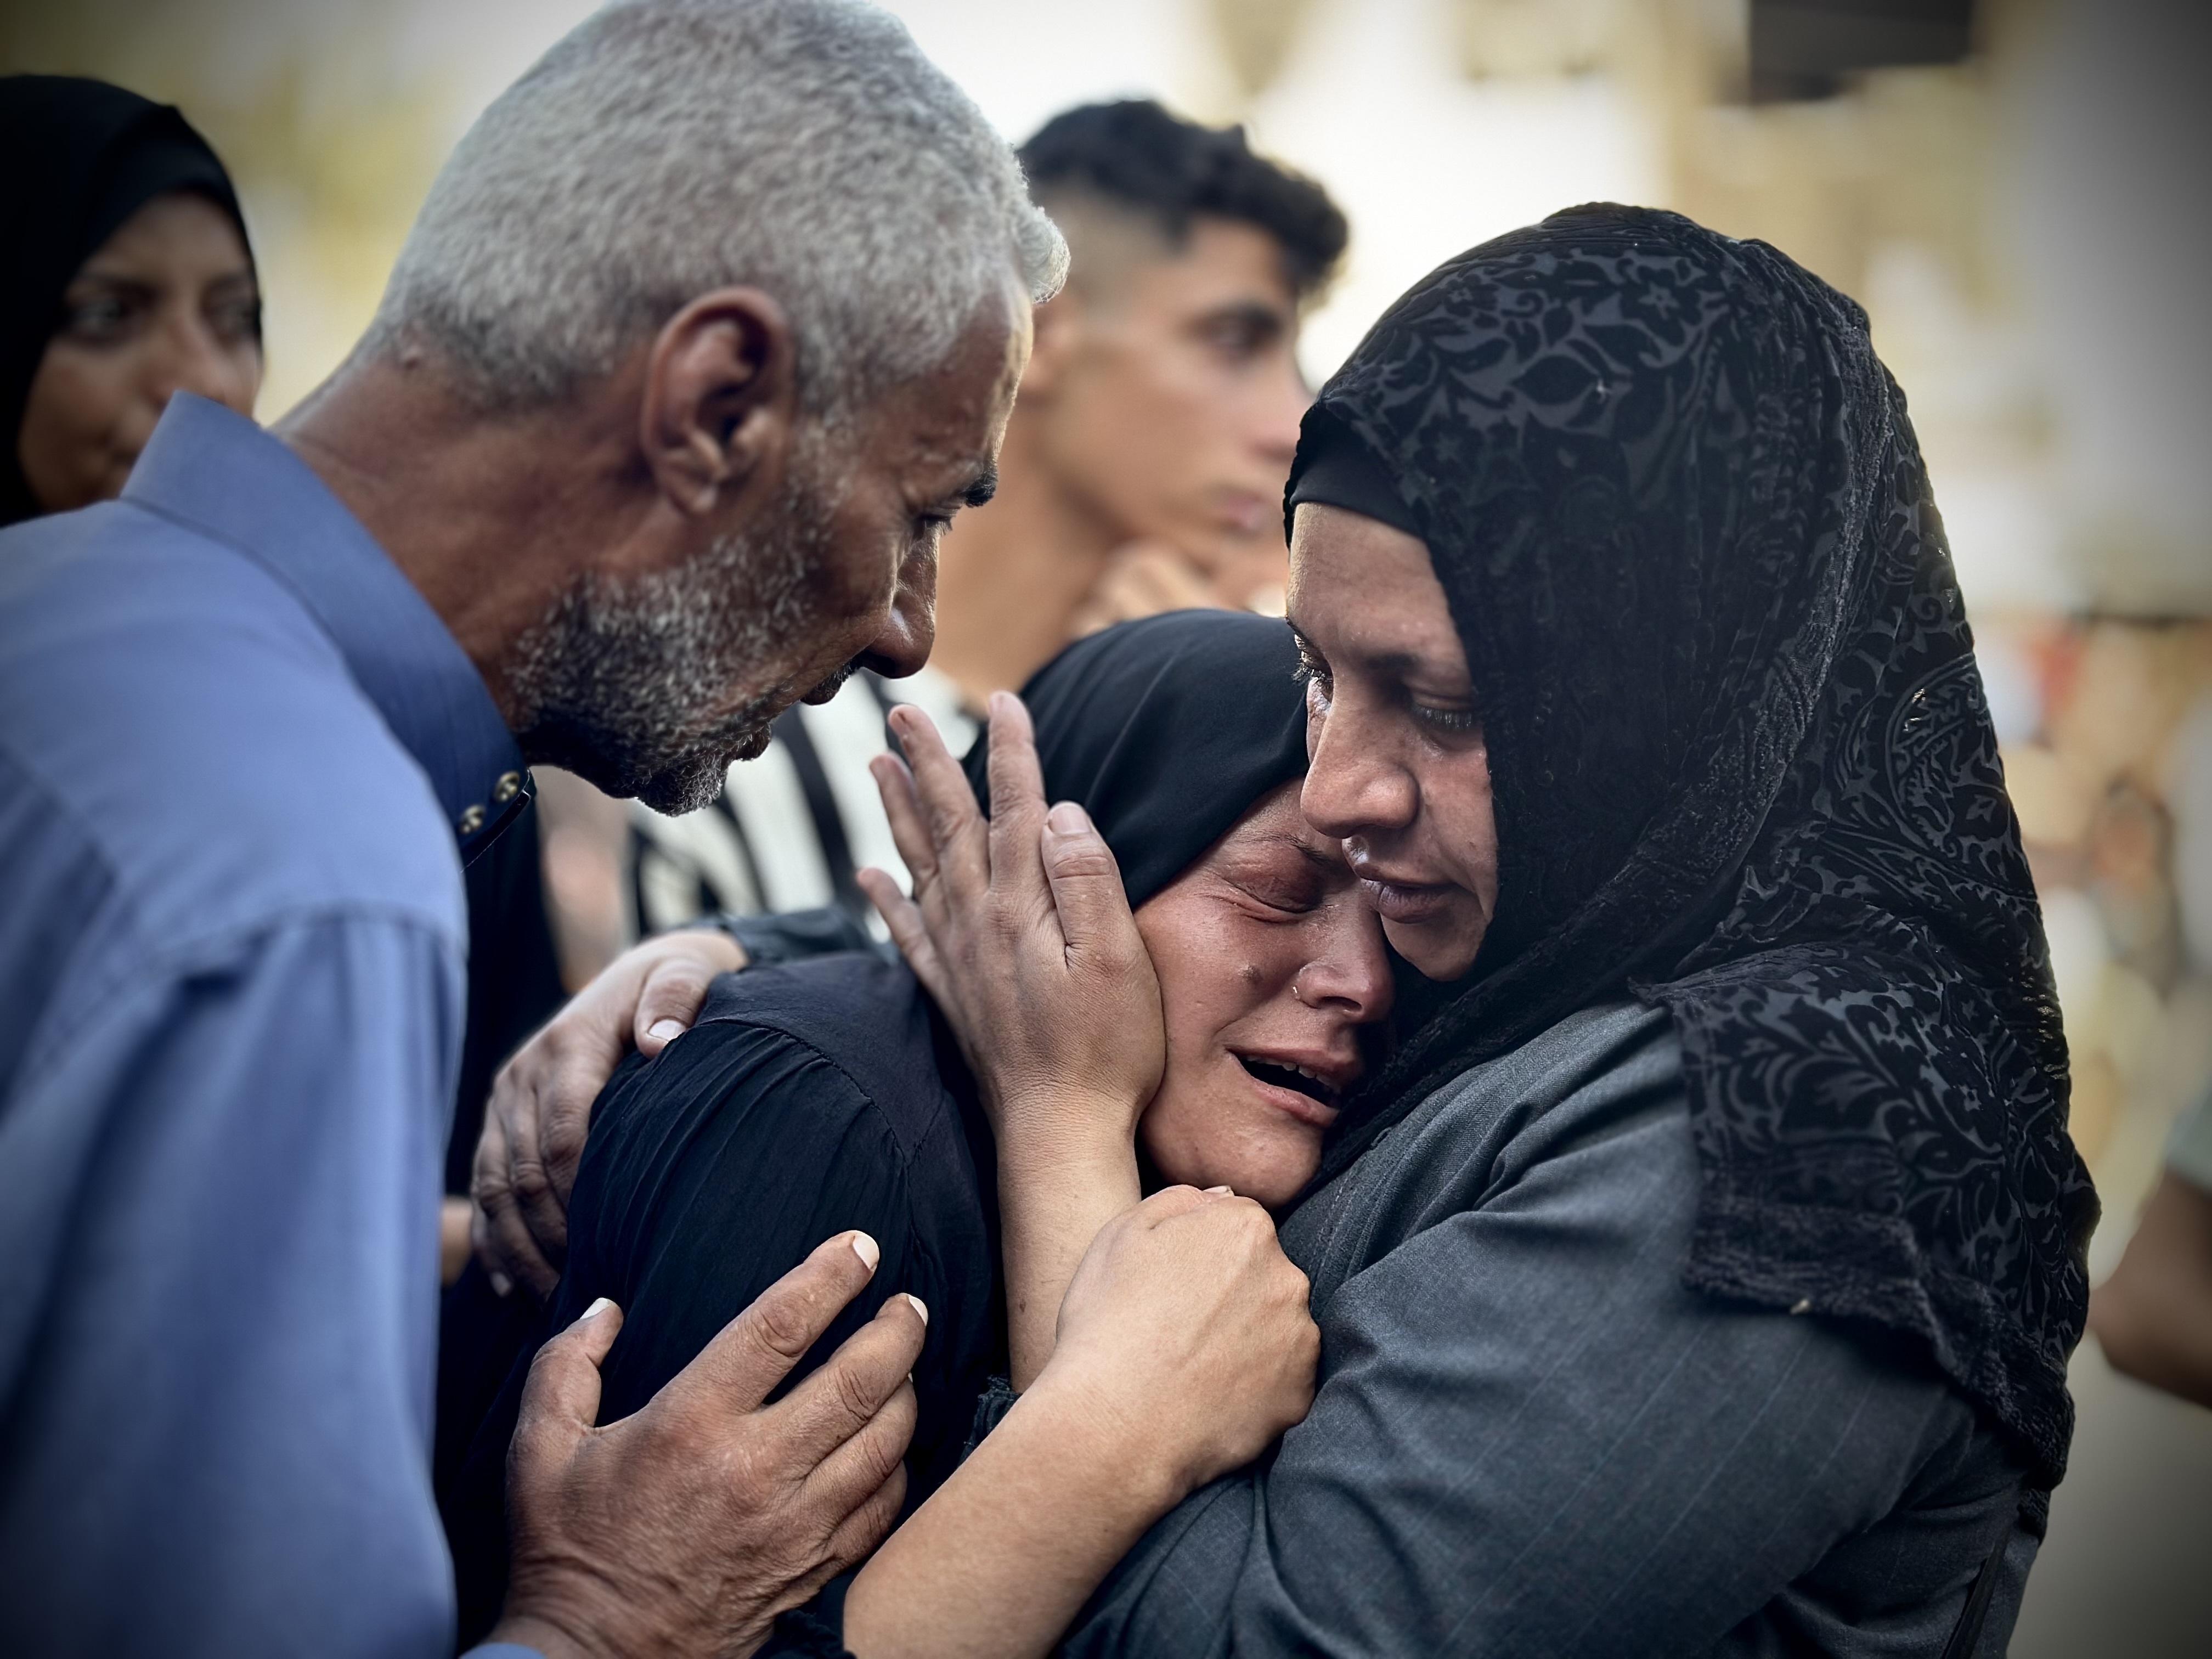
<point>817,1095</point>
<point>1699,1275</point>
<point>128,276</point>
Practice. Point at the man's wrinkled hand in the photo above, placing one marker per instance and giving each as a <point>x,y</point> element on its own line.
<point>540,1109</point>
<point>686,1529</point>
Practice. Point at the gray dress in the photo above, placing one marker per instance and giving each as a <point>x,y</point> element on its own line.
<point>1530,1439</point>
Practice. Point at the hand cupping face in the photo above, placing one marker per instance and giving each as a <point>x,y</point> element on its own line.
<point>1019,926</point>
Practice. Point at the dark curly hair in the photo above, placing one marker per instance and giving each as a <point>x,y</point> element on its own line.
<point>1135,155</point>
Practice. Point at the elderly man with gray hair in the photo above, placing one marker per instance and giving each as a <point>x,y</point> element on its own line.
<point>709,326</point>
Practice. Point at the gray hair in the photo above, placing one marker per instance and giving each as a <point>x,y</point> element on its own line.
<point>664,149</point>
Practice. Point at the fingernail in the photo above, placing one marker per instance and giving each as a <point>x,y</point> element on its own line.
<point>501,1283</point>
<point>866,1249</point>
<point>1220,1189</point>
<point>919,1307</point>
<point>1067,819</point>
<point>668,1030</point>
<point>598,1308</point>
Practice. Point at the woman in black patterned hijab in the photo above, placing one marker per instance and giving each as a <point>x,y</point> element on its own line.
<point>1724,689</point>
<point>1698,1278</point>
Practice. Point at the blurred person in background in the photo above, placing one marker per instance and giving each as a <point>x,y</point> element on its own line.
<point>1144,467</point>
<point>129,277</point>
<point>709,324</point>
<point>2153,1317</point>
<point>1143,471</point>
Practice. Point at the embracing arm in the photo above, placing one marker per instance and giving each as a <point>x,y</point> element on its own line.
<point>1532,1439</point>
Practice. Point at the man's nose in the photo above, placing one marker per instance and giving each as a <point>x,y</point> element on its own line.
<point>910,631</point>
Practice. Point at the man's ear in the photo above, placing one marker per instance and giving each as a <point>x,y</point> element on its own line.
<point>721,399</point>
<point>1056,332</point>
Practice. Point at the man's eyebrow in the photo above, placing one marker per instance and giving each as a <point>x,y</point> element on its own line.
<point>985,485</point>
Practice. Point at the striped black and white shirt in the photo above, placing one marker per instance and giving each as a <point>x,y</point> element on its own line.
<point>792,827</point>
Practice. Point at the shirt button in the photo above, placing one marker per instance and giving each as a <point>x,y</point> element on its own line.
<point>470,821</point>
<point>508,787</point>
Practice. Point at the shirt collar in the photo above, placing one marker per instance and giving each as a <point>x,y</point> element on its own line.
<point>217,473</point>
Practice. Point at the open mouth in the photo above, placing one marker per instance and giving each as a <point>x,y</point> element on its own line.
<point>1294,1077</point>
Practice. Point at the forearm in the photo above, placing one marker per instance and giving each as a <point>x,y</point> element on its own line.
<point>1057,1188</point>
<point>1003,1555</point>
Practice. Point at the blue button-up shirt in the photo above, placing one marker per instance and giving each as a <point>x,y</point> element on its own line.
<point>241,760</point>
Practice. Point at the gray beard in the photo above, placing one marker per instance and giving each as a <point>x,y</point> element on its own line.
<point>620,681</point>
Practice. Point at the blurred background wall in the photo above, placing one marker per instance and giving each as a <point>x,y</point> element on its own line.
<point>2017,192</point>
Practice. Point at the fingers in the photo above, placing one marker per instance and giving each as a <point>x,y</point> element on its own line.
<point>867,1526</point>
<point>909,932</point>
<point>858,1467</point>
<point>561,1399</point>
<point>954,823</point>
<point>486,1188</point>
<point>498,1230</point>
<point>511,1255</point>
<point>669,1001</point>
<point>910,826</point>
<point>1017,798</point>
<point>538,1179</point>
<point>1174,1202</point>
<point>844,1399</point>
<point>1093,907</point>
<point>750,1354</point>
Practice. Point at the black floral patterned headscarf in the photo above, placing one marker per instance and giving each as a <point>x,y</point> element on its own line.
<point>1743,768</point>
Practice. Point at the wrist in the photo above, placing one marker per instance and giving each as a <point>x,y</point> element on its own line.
<point>1062,1133</point>
<point>1103,1445</point>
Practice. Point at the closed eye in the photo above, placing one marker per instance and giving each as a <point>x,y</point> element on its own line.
<point>1447,720</point>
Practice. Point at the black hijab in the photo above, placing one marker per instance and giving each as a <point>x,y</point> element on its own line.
<point>1165,731</point>
<point>1743,768</point>
<point>77,158</point>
